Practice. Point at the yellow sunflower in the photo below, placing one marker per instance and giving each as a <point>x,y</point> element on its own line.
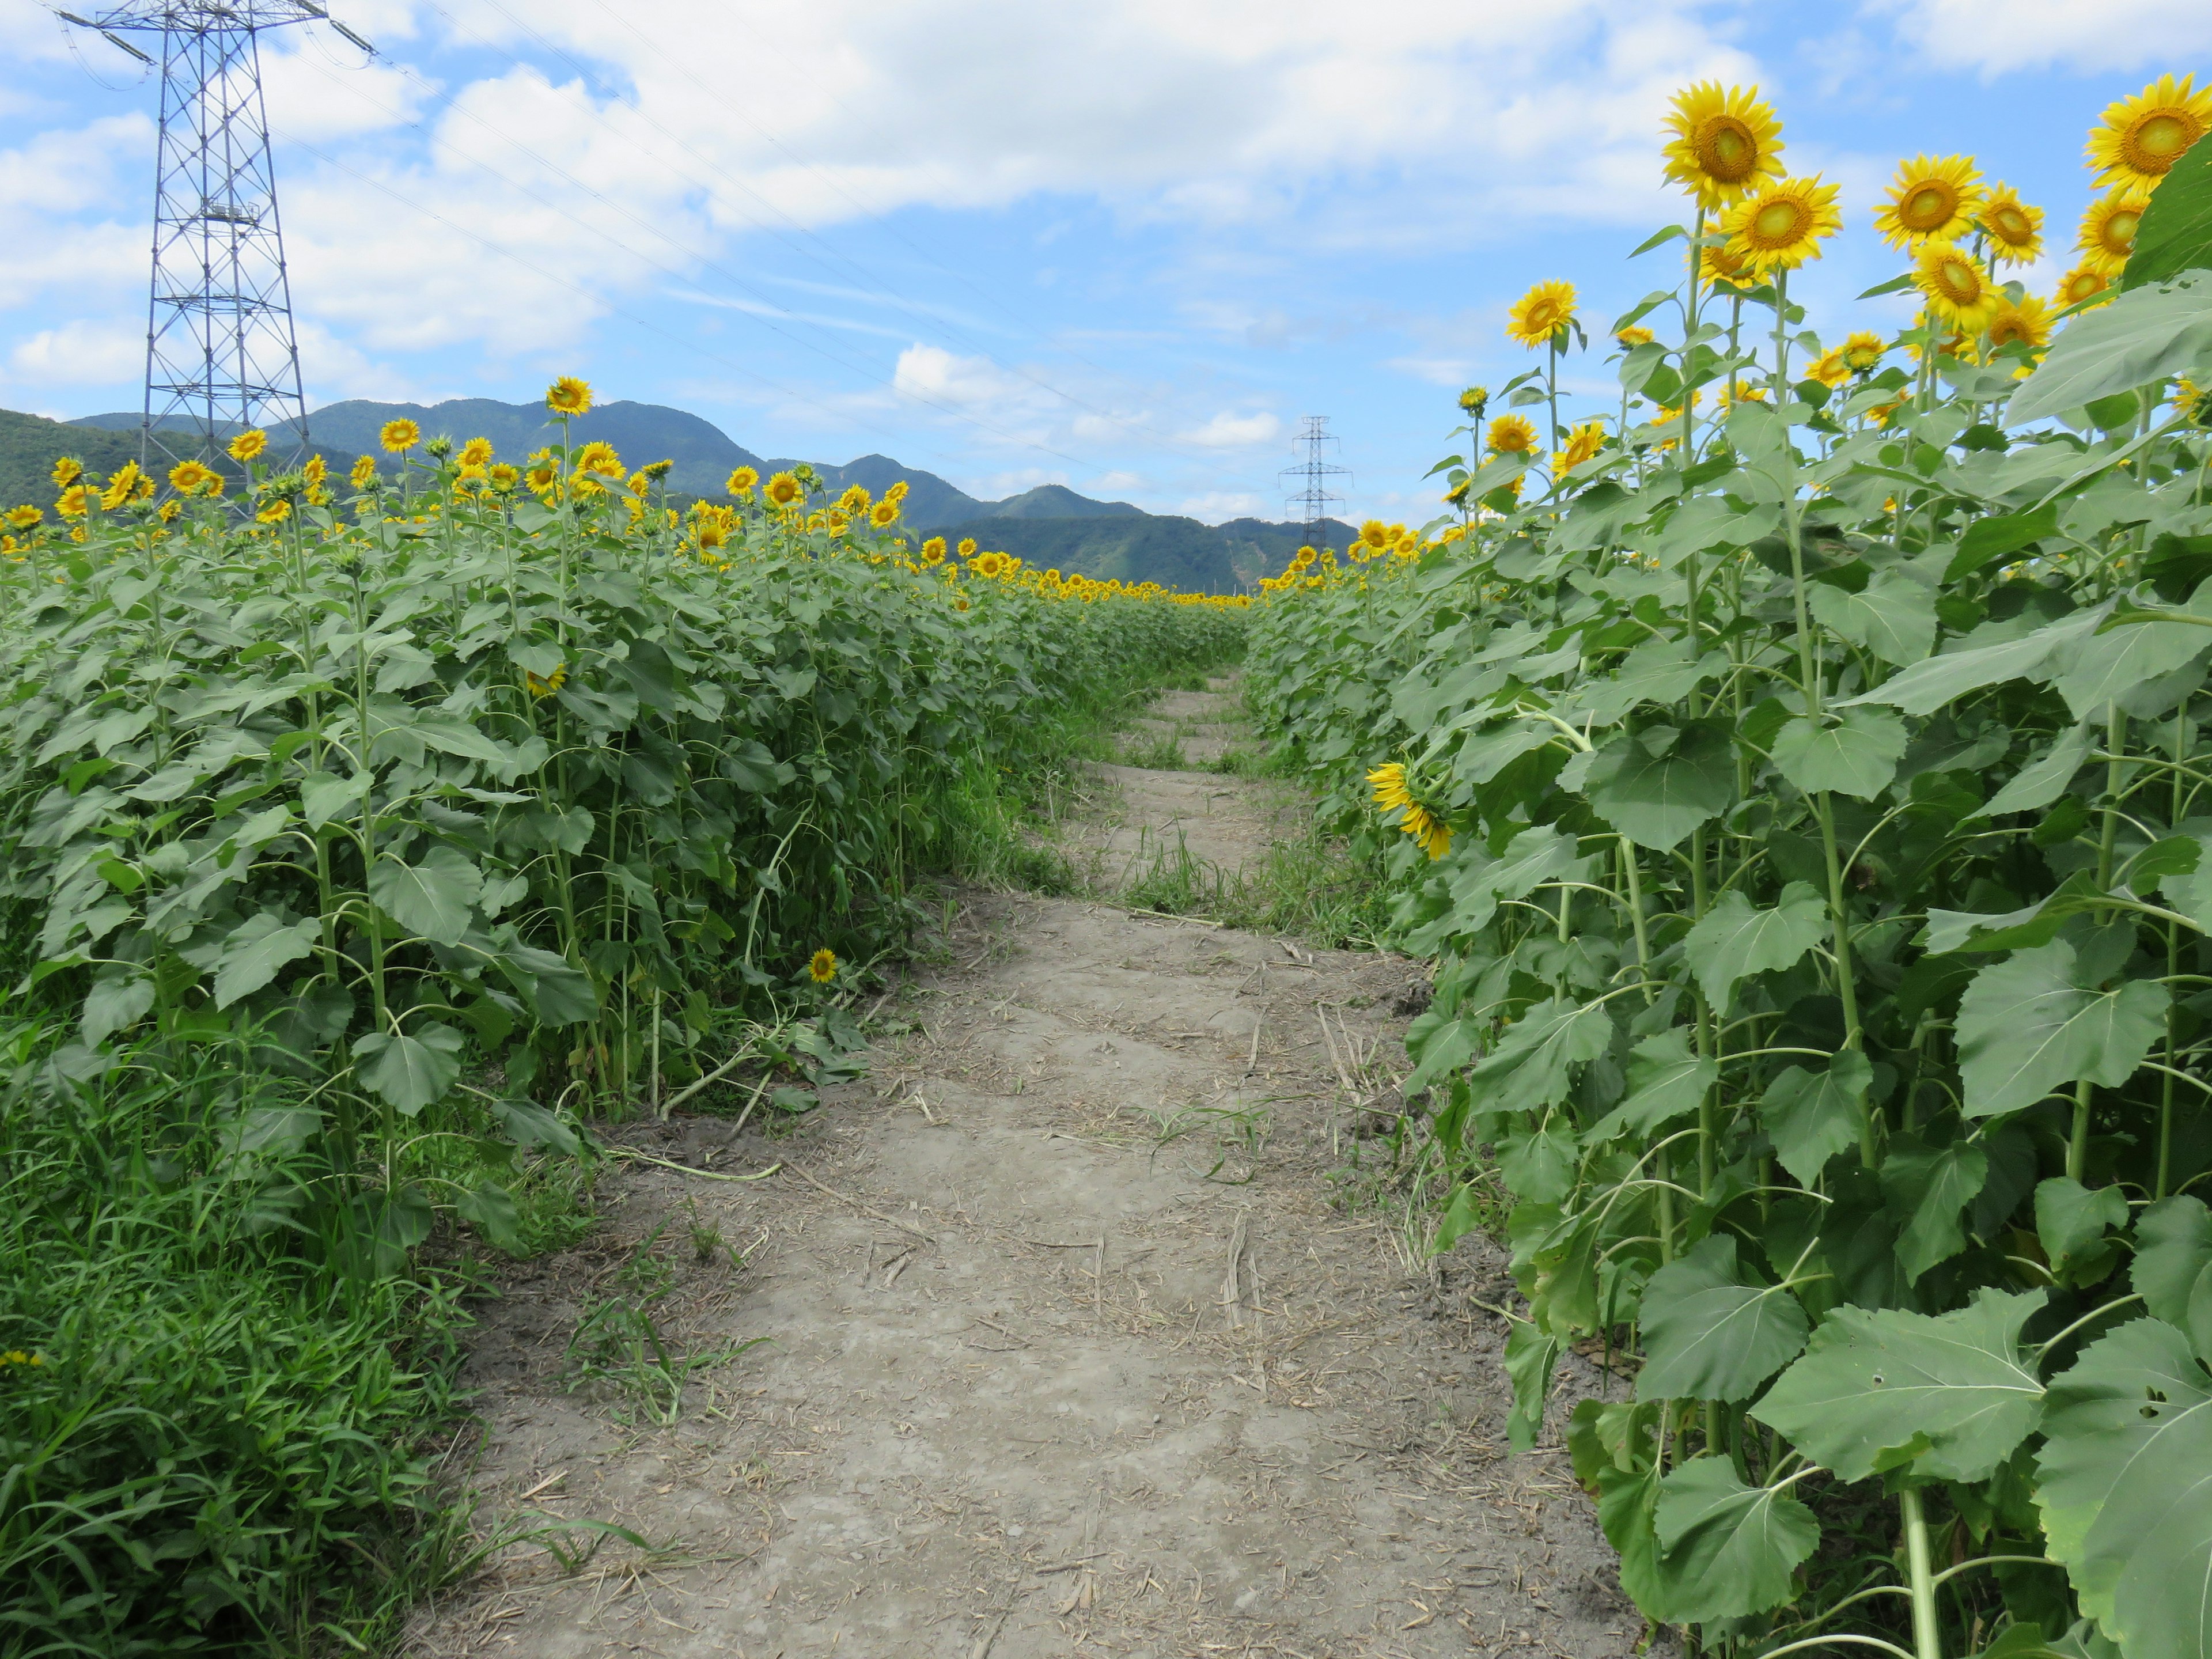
<point>1583,442</point>
<point>26,518</point>
<point>2188,399</point>
<point>363,473</point>
<point>275,513</point>
<point>1722,269</point>
<point>967,548</point>
<point>502,476</point>
<point>2014,227</point>
<point>1933,198</point>
<point>932,551</point>
<point>1781,226</point>
<point>2084,281</point>
<point>76,501</point>
<point>1958,291</point>
<point>784,490</point>
<point>1725,141</point>
<point>121,485</point>
<point>897,491</point>
<point>568,396</point>
<point>988,564</point>
<point>1511,435</point>
<point>400,435</point>
<point>822,967</point>
<point>2026,319</point>
<point>1392,794</point>
<point>168,510</point>
<point>315,471</point>
<point>477,451</point>
<point>249,445</point>
<point>191,477</point>
<point>2139,139</point>
<point>66,471</point>
<point>1864,350</point>
<point>854,501</point>
<point>1635,335</point>
<point>884,514</point>
<point>550,684</point>
<point>1541,316</point>
<point>741,481</point>
<point>2108,230</point>
<point>1832,368</point>
<point>599,459</point>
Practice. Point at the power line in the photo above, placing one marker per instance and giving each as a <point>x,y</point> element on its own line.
<point>1314,498</point>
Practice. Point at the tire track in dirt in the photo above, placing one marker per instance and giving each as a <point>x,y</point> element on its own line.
<point>1070,1343</point>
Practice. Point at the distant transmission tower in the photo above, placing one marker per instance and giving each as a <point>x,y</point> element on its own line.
<point>1312,498</point>
<point>221,351</point>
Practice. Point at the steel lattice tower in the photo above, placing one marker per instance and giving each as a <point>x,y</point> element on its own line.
<point>1314,498</point>
<point>220,351</point>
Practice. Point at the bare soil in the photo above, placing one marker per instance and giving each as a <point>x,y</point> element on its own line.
<point>1092,1321</point>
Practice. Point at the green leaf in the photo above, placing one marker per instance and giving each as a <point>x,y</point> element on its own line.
<point>2125,1489</point>
<point>2105,668</point>
<point>1857,756</point>
<point>1665,1080</point>
<point>1988,540</point>
<point>1896,284</point>
<point>413,1070</point>
<point>1892,617</point>
<point>489,1209</point>
<point>255,949</point>
<point>1951,1395</point>
<point>435,898</point>
<point>2028,1027</point>
<point>1734,941</point>
<point>1927,686</point>
<point>1711,1335</point>
<point>529,1124</point>
<point>1538,1165</point>
<point>2043,779</point>
<point>2173,1247</point>
<point>114,1004</point>
<point>1533,1067</point>
<point>2145,335</point>
<point>325,796</point>
<point>559,992</point>
<point>1728,1549</point>
<point>1658,785</point>
<point>2070,1219</point>
<point>1931,1188</point>
<point>1529,1357</point>
<point>1811,1116</point>
<point>2176,232</point>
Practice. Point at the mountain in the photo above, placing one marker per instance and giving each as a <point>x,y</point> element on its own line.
<point>1050,525</point>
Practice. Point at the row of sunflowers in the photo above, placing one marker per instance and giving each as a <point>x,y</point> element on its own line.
<point>1798,774</point>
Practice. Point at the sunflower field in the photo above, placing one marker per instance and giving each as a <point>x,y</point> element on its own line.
<point>360,840</point>
<point>1806,802</point>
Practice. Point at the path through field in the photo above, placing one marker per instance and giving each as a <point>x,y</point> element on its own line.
<point>1078,1336</point>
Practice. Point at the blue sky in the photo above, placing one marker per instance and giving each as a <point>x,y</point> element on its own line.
<point>1121,245</point>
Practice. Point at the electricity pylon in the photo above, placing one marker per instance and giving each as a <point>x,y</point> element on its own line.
<point>221,354</point>
<point>1313,500</point>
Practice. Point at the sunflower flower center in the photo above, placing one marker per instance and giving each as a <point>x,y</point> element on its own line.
<point>1543,317</point>
<point>2010,225</point>
<point>1727,148</point>
<point>1929,207</point>
<point>1778,224</point>
<point>2154,142</point>
<point>2119,231</point>
<point>1960,280</point>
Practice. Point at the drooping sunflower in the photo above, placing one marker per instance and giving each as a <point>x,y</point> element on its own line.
<point>477,451</point>
<point>1958,290</point>
<point>1722,269</point>
<point>76,501</point>
<point>2137,140</point>
<point>167,512</point>
<point>1725,141</point>
<point>363,473</point>
<point>933,551</point>
<point>1511,435</point>
<point>967,548</point>
<point>1541,315</point>
<point>1932,198</point>
<point>658,471</point>
<point>67,470</point>
<point>599,459</point>
<point>1583,442</point>
<point>1635,335</point>
<point>568,396</point>
<point>26,518</point>
<point>2108,230</point>
<point>854,501</point>
<point>121,485</point>
<point>822,967</point>
<point>2014,227</point>
<point>884,514</point>
<point>503,476</point>
<point>1832,368</point>
<point>2188,400</point>
<point>2084,281</point>
<point>399,435</point>
<point>316,471</point>
<point>249,445</point>
<point>1392,794</point>
<point>2026,321</point>
<point>1864,350</point>
<point>1781,226</point>
<point>550,683</point>
<point>784,490</point>
<point>191,477</point>
<point>275,513</point>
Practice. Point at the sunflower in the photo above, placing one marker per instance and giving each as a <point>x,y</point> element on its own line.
<point>547,686</point>
<point>599,458</point>
<point>1474,401</point>
<point>1781,226</point>
<point>1511,435</point>
<point>712,536</point>
<point>2108,230</point>
<point>741,481</point>
<point>2026,319</point>
<point>1932,199</point>
<point>1725,141</point>
<point>1864,350</point>
<point>897,491</point>
<point>502,476</point>
<point>2014,228</point>
<point>822,967</point>
<point>988,564</point>
<point>167,512</point>
<point>249,445</point>
<point>122,486</point>
<point>1832,368</point>
<point>76,501</point>
<point>932,551</point>
<point>1634,336</point>
<point>1731,395</point>
<point>1541,315</point>
<point>363,473</point>
<point>967,548</point>
<point>544,477</point>
<point>568,396</point>
<point>1433,836</point>
<point>784,490</point>
<point>67,470</point>
<point>854,501</point>
<point>2084,281</point>
<point>400,435</point>
<point>316,471</point>
<point>1958,290</point>
<point>1583,442</point>
<point>2188,399</point>
<point>26,518</point>
<point>276,512</point>
<point>1722,269</point>
<point>477,451</point>
<point>884,514</point>
<point>2139,138</point>
<point>190,477</point>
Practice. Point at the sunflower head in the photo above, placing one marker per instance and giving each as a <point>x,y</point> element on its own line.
<point>1958,291</point>
<point>1635,335</point>
<point>884,514</point>
<point>932,551</point>
<point>1541,316</point>
<point>400,435</point>
<point>1932,198</point>
<point>275,513</point>
<point>477,451</point>
<point>2084,281</point>
<point>854,501</point>
<point>67,470</point>
<point>249,445</point>
<point>363,473</point>
<point>1474,401</point>
<point>191,477</point>
<point>1723,143</point>
<point>598,459</point>
<point>547,685</point>
<point>2024,321</point>
<point>1782,225</point>
<point>568,396</point>
<point>1832,368</point>
<point>822,967</point>
<point>967,548</point>
<point>2139,139</point>
<point>26,518</point>
<point>76,501</point>
<point>2014,228</point>
<point>1722,269</point>
<point>784,490</point>
<point>2108,229</point>
<point>988,564</point>
<point>122,486</point>
<point>1583,442</point>
<point>1511,435</point>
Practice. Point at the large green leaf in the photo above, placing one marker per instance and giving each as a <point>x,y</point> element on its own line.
<point>2071,1219</point>
<point>1927,686</point>
<point>1856,755</point>
<point>1930,1186</point>
<point>1665,1080</point>
<point>1988,540</point>
<point>1533,1067</point>
<point>255,949</point>
<point>559,993</point>
<point>2125,1489</point>
<point>2176,232</point>
<point>1711,1335</point>
<point>2147,335</point>
<point>1892,617</point>
<point>2173,1247</point>
<point>413,1070</point>
<point>2028,1026</point>
<point>1810,1117</point>
<point>1728,1549</point>
<point>1658,785</point>
<point>1950,1395</point>
<point>1530,1354</point>
<point>1735,940</point>
<point>435,898</point>
<point>2041,781</point>
<point>2104,668</point>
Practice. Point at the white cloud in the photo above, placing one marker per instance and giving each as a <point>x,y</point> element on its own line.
<point>1229,431</point>
<point>1220,505</point>
<point>1996,36</point>
<point>933,376</point>
<point>82,353</point>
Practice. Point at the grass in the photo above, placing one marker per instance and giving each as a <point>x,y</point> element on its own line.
<point>1312,887</point>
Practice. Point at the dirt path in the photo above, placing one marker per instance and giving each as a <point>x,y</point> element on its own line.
<point>1082,1332</point>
